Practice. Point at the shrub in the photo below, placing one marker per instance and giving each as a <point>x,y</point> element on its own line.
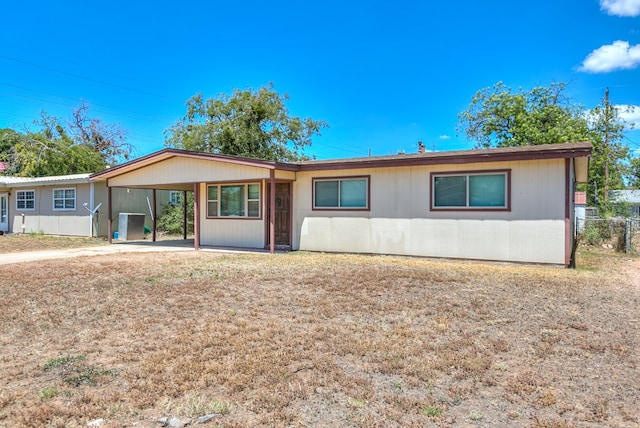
<point>171,219</point>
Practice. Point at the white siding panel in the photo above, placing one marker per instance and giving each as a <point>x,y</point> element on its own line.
<point>45,220</point>
<point>538,241</point>
<point>400,221</point>
<point>232,233</point>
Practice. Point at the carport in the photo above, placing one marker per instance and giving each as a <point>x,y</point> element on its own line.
<point>187,171</point>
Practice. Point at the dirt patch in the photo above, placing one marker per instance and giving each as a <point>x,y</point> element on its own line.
<point>318,340</point>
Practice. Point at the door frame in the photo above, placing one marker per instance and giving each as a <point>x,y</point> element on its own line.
<point>4,226</point>
<point>268,213</point>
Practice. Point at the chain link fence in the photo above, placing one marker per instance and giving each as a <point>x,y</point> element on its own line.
<point>621,234</point>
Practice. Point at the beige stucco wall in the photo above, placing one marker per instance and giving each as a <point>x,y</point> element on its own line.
<point>400,221</point>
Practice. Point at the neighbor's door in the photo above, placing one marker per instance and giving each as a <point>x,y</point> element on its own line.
<point>282,215</point>
<point>4,212</point>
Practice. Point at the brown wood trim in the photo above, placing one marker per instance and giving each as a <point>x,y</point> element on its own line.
<point>545,151</point>
<point>342,177</point>
<point>109,216</point>
<point>471,209</point>
<point>169,153</point>
<point>266,223</point>
<point>272,212</point>
<point>568,243</point>
<point>185,221</point>
<point>155,215</point>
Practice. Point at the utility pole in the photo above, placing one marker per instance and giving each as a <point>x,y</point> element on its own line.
<point>607,118</point>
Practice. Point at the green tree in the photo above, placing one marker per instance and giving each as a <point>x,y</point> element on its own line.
<point>81,145</point>
<point>248,123</point>
<point>634,173</point>
<point>8,139</point>
<point>498,117</point>
<point>109,140</point>
<point>50,151</point>
<point>608,165</point>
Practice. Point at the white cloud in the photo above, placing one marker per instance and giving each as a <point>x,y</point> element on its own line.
<point>630,114</point>
<point>444,137</point>
<point>621,7</point>
<point>617,56</point>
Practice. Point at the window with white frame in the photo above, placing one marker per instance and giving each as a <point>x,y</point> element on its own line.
<point>26,200</point>
<point>175,197</point>
<point>345,193</point>
<point>470,190</point>
<point>64,199</point>
<point>233,200</point>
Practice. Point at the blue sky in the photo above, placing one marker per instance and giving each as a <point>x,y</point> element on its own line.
<point>384,75</point>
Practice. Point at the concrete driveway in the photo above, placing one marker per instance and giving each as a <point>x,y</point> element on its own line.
<point>119,247</point>
<point>128,247</point>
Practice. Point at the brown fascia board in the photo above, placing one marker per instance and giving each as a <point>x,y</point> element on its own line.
<point>169,153</point>
<point>547,151</point>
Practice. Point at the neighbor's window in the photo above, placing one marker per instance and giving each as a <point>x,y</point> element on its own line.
<point>233,200</point>
<point>341,193</point>
<point>64,199</point>
<point>482,190</point>
<point>26,200</point>
<point>175,197</point>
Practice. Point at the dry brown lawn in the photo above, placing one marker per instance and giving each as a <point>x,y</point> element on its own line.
<point>13,243</point>
<point>304,339</point>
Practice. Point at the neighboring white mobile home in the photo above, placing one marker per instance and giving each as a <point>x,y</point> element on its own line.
<point>507,204</point>
<point>68,205</point>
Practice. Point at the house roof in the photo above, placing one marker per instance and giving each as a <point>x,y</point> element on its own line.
<point>10,181</point>
<point>630,196</point>
<point>580,150</point>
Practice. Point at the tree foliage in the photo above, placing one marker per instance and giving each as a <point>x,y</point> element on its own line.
<point>609,159</point>
<point>634,173</point>
<point>499,117</point>
<point>248,123</point>
<point>82,145</point>
<point>109,140</point>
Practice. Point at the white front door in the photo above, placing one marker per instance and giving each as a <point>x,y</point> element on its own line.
<point>4,212</point>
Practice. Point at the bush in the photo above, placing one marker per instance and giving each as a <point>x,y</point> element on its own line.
<point>171,219</point>
<point>600,231</point>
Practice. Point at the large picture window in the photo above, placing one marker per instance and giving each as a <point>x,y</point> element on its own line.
<point>470,191</point>
<point>64,199</point>
<point>233,200</point>
<point>349,193</point>
<point>26,200</point>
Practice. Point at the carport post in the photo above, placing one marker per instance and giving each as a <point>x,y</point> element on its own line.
<point>184,214</point>
<point>272,211</point>
<point>196,216</point>
<point>155,216</point>
<point>109,217</point>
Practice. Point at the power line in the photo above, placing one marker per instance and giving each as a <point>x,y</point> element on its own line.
<point>77,76</point>
<point>69,105</point>
<point>91,103</point>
